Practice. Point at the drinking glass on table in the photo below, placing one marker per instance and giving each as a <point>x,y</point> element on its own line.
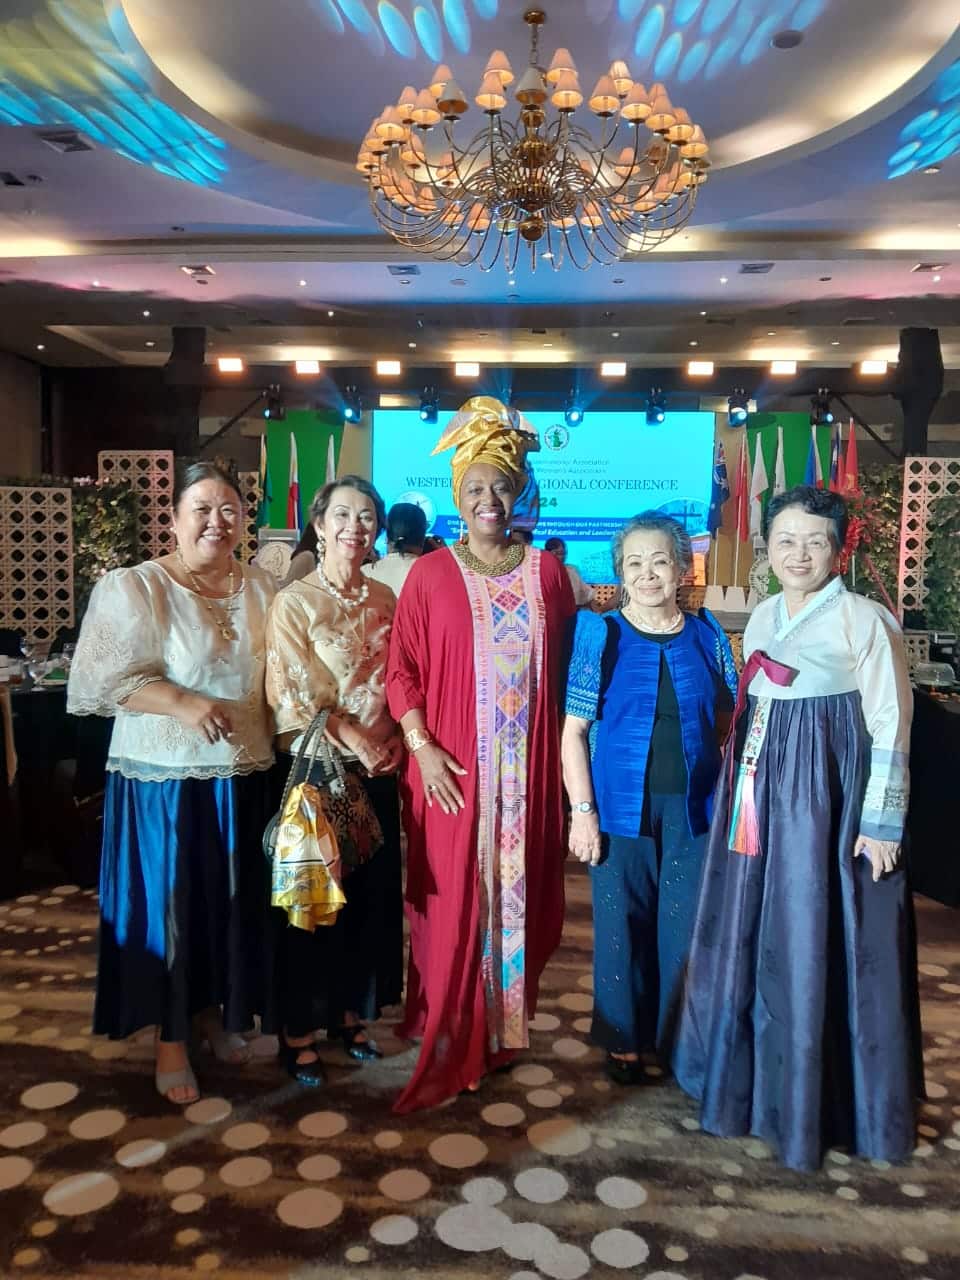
<point>37,668</point>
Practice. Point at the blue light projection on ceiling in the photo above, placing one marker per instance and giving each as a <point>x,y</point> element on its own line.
<point>681,40</point>
<point>64,67</point>
<point>933,135</point>
<point>407,26</point>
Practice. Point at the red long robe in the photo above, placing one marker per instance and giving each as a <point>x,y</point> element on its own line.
<point>432,667</point>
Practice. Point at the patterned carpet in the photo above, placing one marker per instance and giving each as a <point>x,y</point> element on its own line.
<point>548,1172</point>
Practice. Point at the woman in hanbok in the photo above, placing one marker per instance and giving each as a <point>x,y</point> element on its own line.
<point>652,680</point>
<point>474,679</point>
<point>800,1022</point>
<point>327,650</point>
<point>173,648</point>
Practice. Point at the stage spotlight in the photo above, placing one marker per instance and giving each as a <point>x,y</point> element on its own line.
<point>821,415</point>
<point>738,406</point>
<point>275,410</point>
<point>429,406</point>
<point>572,413</point>
<point>352,405</point>
<point>656,408</point>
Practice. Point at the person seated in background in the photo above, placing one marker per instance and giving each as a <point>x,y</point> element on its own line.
<point>406,531</point>
<point>652,679</point>
<point>304,558</point>
<point>582,593</point>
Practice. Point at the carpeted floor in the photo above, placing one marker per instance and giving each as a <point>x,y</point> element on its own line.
<point>548,1172</point>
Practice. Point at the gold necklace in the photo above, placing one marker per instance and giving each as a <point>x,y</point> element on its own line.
<point>514,556</point>
<point>221,619</point>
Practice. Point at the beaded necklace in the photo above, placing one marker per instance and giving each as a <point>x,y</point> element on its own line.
<point>502,567</point>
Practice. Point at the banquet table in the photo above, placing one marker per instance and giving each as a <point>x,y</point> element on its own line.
<point>933,823</point>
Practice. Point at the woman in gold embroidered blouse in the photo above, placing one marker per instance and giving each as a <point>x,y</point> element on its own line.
<point>327,639</point>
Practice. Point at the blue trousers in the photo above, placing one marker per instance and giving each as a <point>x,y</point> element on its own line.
<point>644,900</point>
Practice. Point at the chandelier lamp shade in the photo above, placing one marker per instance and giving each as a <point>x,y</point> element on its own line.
<point>542,185</point>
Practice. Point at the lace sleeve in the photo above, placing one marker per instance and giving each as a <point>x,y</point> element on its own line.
<point>119,649</point>
<point>298,683</point>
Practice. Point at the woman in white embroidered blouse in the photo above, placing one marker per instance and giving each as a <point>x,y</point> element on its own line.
<point>174,650</point>
<point>801,1016</point>
<point>327,639</point>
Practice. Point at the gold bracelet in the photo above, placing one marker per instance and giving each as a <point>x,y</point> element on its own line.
<point>416,739</point>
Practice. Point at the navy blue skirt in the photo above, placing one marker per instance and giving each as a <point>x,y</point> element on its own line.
<point>184,895</point>
<point>800,1022</point>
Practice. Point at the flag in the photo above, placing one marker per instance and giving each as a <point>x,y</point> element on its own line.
<point>293,490</point>
<point>743,493</point>
<point>331,461</point>
<point>266,492</point>
<point>851,465</point>
<point>759,484</point>
<point>836,462</point>
<point>720,490</point>
<point>779,466</point>
<point>814,473</point>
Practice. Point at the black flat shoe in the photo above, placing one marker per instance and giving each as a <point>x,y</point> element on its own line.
<point>359,1050</point>
<point>310,1074</point>
<point>622,1071</point>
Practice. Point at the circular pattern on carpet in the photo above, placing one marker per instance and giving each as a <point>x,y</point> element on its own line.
<point>621,1193</point>
<point>473,1228</point>
<point>404,1185</point>
<point>23,1134</point>
<point>541,1186</point>
<point>559,1137</point>
<point>13,1171</point>
<point>458,1150</point>
<point>208,1111</point>
<point>97,1124</point>
<point>531,1075</point>
<point>488,1191</point>
<point>503,1115</point>
<point>318,1168</point>
<point>309,1208</point>
<point>619,1248</point>
<point>246,1171</point>
<point>81,1193</point>
<point>44,1097</point>
<point>244,1137</point>
<point>322,1124</point>
<point>394,1229</point>
<point>144,1151</point>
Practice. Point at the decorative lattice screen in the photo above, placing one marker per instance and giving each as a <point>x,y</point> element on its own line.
<point>36,560</point>
<point>150,474</point>
<point>250,493</point>
<point>924,481</point>
<point>917,645</point>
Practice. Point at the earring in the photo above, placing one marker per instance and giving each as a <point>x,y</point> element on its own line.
<point>321,547</point>
<point>462,536</point>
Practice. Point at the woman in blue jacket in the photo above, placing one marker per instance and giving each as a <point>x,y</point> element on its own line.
<point>641,757</point>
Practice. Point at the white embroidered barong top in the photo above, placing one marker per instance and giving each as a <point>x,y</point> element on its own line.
<point>840,643</point>
<point>141,626</point>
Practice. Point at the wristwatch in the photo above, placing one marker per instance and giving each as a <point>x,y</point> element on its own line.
<point>585,806</point>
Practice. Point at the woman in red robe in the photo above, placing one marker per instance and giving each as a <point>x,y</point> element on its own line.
<point>474,680</point>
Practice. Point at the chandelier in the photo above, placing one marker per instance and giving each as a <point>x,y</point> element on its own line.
<point>542,185</point>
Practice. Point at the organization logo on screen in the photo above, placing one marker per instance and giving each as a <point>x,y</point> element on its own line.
<point>556,437</point>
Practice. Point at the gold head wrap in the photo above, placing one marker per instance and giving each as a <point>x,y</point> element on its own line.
<point>485,430</point>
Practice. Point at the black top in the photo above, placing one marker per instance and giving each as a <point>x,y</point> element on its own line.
<point>666,769</point>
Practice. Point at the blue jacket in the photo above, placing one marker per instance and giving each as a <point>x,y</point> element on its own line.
<point>612,679</point>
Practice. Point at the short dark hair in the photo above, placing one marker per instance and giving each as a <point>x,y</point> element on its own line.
<point>654,522</point>
<point>815,502</point>
<point>553,544</point>
<point>195,473</point>
<point>321,499</point>
<point>406,526</point>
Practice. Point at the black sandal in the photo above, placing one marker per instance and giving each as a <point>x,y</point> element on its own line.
<point>359,1050</point>
<point>623,1071</point>
<point>307,1073</point>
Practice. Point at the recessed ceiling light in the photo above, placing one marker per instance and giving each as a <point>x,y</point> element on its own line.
<point>513,282</point>
<point>330,314</point>
<point>789,38</point>
<point>825,279</point>
<point>700,368</point>
<point>412,346</point>
<point>41,347</point>
<point>389,368</point>
<point>458,282</point>
<point>305,367</point>
<point>615,334</point>
<point>95,283</point>
<point>873,368</point>
<point>834,342</point>
<point>613,369</point>
<point>937,279</point>
<point>931,169</point>
<point>694,342</point>
<point>403,282</point>
<point>149,344</point>
<point>783,368</point>
<point>230,364</point>
<point>703,313</point>
<point>466,369</point>
<point>146,315</point>
<point>303,284</point>
<point>771,333</point>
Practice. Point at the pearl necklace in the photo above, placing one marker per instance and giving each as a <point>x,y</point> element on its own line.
<point>672,625</point>
<point>221,619</point>
<point>348,602</point>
